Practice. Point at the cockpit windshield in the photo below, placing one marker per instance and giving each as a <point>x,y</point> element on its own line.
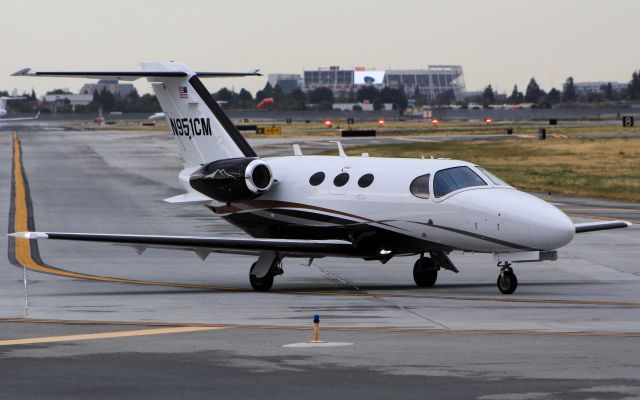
<point>496,181</point>
<point>452,179</point>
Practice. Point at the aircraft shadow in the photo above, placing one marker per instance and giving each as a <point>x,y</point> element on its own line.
<point>443,289</point>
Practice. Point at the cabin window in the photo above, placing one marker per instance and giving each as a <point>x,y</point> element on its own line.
<point>341,179</point>
<point>365,180</point>
<point>316,178</point>
<point>452,179</point>
<point>420,186</point>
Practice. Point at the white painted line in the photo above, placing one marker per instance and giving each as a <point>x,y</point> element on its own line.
<point>323,344</point>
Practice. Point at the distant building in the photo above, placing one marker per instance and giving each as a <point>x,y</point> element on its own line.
<point>53,102</point>
<point>334,78</point>
<point>429,82</point>
<point>287,82</point>
<point>585,88</point>
<point>112,85</point>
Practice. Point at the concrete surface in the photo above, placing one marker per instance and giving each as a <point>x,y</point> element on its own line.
<point>572,330</point>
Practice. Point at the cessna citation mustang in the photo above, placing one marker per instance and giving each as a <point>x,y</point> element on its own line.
<point>3,110</point>
<point>316,206</point>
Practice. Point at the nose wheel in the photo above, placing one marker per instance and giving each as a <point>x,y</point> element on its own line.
<point>507,281</point>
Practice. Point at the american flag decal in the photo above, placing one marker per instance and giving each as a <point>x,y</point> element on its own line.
<point>182,92</point>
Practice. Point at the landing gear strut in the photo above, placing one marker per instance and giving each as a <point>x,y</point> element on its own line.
<point>507,281</point>
<point>425,272</point>
<point>264,284</point>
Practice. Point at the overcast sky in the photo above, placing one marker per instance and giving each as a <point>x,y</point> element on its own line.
<point>498,42</point>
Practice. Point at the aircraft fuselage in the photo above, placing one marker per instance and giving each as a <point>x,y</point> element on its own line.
<point>384,215</point>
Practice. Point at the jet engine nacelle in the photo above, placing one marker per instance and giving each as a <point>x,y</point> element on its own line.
<point>233,180</point>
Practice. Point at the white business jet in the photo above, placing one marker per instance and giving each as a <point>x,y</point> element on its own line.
<point>315,206</point>
<point>3,110</point>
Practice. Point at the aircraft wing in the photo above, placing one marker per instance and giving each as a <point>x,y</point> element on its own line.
<point>600,226</point>
<point>203,245</point>
<point>158,115</point>
<point>21,118</point>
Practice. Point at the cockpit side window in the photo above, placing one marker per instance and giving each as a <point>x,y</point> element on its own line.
<point>496,181</point>
<point>451,179</point>
<point>420,186</point>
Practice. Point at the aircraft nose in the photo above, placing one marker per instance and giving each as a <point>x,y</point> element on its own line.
<point>550,228</point>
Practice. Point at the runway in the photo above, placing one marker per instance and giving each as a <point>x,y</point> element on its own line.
<point>571,328</point>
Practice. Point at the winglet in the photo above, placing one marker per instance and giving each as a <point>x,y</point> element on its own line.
<point>22,72</point>
<point>29,235</point>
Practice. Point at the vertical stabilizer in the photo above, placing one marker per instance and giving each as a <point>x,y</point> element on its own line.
<point>202,130</point>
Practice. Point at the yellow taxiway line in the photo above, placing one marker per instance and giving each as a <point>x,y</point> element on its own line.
<point>23,251</point>
<point>178,327</point>
<point>106,335</point>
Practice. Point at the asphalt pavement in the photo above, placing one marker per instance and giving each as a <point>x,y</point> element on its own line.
<point>99,321</point>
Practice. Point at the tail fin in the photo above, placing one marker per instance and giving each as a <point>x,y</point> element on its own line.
<point>202,130</point>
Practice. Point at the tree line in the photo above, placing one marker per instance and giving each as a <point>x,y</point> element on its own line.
<point>568,94</point>
<point>323,98</point>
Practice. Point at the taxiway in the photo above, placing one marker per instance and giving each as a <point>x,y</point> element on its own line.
<point>99,320</point>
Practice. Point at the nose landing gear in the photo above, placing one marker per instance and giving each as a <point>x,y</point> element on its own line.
<point>507,281</point>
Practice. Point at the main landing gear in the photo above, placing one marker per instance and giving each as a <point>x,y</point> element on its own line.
<point>507,281</point>
<point>425,272</point>
<point>264,284</point>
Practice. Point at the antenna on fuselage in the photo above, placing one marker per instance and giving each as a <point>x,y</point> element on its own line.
<point>341,152</point>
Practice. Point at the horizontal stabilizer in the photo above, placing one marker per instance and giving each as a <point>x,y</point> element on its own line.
<point>190,197</point>
<point>601,226</point>
<point>130,75</point>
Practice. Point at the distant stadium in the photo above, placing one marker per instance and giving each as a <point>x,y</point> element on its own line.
<point>428,82</point>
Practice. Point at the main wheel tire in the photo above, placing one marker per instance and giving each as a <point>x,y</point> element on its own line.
<point>260,284</point>
<point>425,272</point>
<point>507,282</point>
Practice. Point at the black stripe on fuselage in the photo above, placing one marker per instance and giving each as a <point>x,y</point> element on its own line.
<point>362,226</point>
<point>365,236</point>
<point>311,216</point>
<point>478,236</point>
<point>226,123</point>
